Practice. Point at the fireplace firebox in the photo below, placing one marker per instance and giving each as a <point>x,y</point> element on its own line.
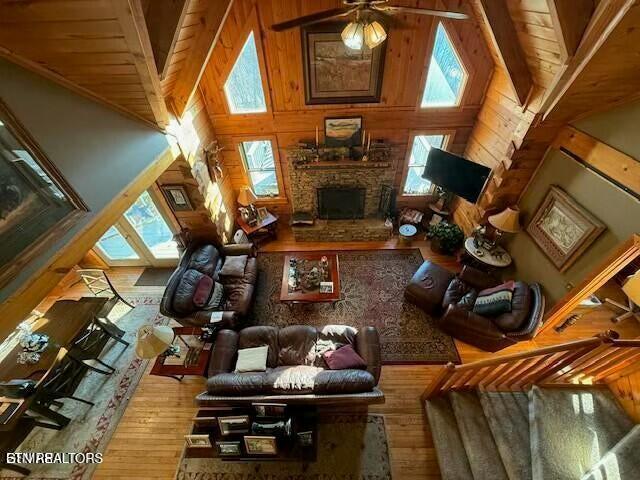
<point>340,203</point>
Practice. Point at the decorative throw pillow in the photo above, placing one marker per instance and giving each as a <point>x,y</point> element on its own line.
<point>217,297</point>
<point>202,291</point>
<point>494,301</point>
<point>234,266</point>
<point>344,357</point>
<point>252,359</point>
<point>468,301</point>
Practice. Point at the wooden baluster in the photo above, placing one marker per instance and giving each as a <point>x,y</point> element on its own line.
<point>631,365</point>
<point>562,362</point>
<point>495,373</point>
<point>505,375</point>
<point>474,381</point>
<point>565,375</point>
<point>436,386</point>
<point>534,370</point>
<point>520,373</point>
<point>616,355</point>
<point>464,378</point>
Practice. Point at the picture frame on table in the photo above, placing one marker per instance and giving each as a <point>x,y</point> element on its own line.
<point>262,213</point>
<point>343,132</point>
<point>177,197</point>
<point>228,448</point>
<point>305,439</point>
<point>270,409</point>
<point>562,228</point>
<point>260,445</point>
<point>198,441</point>
<point>234,424</point>
<point>326,287</point>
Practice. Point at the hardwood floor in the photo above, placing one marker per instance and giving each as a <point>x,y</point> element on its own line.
<point>148,441</point>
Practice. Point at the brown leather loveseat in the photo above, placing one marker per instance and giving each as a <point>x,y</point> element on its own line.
<point>296,371</point>
<point>205,259</point>
<point>449,298</point>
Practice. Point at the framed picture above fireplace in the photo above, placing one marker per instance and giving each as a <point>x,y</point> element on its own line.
<point>334,73</point>
<point>343,132</point>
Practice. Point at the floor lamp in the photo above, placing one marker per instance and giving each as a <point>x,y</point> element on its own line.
<point>631,288</point>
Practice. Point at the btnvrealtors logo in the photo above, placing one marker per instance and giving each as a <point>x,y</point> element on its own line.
<point>52,457</point>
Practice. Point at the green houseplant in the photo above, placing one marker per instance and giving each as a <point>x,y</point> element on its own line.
<point>446,238</point>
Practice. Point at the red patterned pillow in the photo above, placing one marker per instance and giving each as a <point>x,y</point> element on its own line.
<point>343,358</point>
<point>203,291</point>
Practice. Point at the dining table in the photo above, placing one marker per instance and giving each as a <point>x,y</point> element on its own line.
<point>63,323</point>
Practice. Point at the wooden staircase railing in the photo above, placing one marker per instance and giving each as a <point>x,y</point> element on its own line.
<point>600,359</point>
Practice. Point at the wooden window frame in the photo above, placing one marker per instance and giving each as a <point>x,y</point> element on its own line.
<point>448,139</point>
<point>238,141</point>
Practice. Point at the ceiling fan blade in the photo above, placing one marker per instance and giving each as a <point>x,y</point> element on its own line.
<point>422,11</point>
<point>313,18</point>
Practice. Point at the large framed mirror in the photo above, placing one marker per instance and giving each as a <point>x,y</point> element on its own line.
<point>37,204</point>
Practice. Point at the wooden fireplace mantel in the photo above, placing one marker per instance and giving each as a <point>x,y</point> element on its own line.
<point>341,164</point>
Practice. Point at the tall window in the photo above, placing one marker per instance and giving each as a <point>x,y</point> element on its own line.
<point>243,88</point>
<point>260,164</point>
<point>415,184</point>
<point>446,76</point>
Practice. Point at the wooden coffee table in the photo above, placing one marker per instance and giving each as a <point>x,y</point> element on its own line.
<point>290,296</point>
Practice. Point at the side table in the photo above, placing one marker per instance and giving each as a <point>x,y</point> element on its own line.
<point>265,228</point>
<point>194,355</point>
<point>483,258</point>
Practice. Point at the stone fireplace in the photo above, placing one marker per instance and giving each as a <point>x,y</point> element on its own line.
<point>308,183</point>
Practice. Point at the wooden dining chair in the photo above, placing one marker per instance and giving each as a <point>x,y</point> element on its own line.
<point>86,350</point>
<point>63,383</point>
<point>98,282</point>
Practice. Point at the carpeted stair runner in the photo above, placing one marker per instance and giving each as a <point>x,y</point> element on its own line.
<point>477,438</point>
<point>571,429</point>
<point>547,434</point>
<point>447,441</point>
<point>622,462</point>
<point>508,416</point>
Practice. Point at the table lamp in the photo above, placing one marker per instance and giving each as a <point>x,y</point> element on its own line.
<point>155,340</point>
<point>246,199</point>
<point>631,289</point>
<point>508,220</point>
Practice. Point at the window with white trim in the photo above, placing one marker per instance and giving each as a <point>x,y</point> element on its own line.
<point>414,184</point>
<point>446,77</point>
<point>260,164</point>
<point>243,87</point>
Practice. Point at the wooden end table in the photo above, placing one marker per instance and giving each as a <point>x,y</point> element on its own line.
<point>484,258</point>
<point>292,296</point>
<point>264,228</point>
<point>194,355</point>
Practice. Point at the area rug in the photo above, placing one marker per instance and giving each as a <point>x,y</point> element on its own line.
<point>154,277</point>
<point>372,293</point>
<point>91,428</point>
<point>350,447</point>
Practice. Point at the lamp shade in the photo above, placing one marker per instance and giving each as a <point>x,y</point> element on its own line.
<point>507,220</point>
<point>632,288</point>
<point>247,197</point>
<point>353,35</point>
<point>153,340</point>
<point>374,34</point>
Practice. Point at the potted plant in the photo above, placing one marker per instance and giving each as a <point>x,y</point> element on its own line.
<point>446,238</point>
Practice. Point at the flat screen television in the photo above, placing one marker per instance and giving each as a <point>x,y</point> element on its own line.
<point>456,174</point>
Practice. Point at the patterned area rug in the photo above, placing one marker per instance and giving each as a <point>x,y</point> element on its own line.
<point>372,284</point>
<point>350,447</point>
<point>91,428</point>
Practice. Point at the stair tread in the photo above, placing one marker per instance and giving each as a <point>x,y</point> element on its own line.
<point>482,453</point>
<point>622,462</point>
<point>507,414</point>
<point>571,429</point>
<point>446,438</point>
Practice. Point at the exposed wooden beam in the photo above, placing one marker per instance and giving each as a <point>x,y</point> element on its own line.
<point>131,18</point>
<point>608,15</point>
<point>195,63</point>
<point>506,43</point>
<point>570,19</point>
<point>65,82</point>
<point>618,166</point>
<point>163,19</point>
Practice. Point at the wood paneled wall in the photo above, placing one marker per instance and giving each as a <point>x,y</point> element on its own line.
<point>212,217</point>
<point>502,137</point>
<point>289,120</point>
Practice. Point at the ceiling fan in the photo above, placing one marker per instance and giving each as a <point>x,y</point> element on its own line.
<point>367,27</point>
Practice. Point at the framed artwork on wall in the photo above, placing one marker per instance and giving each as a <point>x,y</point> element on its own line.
<point>177,197</point>
<point>343,132</point>
<point>334,73</point>
<point>562,228</point>
<point>37,204</point>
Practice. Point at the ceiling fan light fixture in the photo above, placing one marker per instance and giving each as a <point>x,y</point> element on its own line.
<point>353,35</point>
<point>374,34</point>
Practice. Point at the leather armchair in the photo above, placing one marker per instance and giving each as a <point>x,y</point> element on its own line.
<point>296,371</point>
<point>441,292</point>
<point>207,259</point>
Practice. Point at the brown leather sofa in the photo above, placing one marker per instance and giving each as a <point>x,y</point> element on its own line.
<point>443,294</point>
<point>206,259</point>
<point>296,371</point>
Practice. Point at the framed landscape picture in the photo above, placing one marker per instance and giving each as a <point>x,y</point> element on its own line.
<point>334,73</point>
<point>343,132</point>
<point>37,205</point>
<point>562,228</point>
